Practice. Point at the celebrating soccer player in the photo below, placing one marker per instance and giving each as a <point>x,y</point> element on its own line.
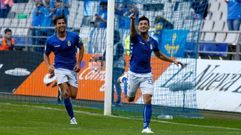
<point>140,74</point>
<point>64,45</point>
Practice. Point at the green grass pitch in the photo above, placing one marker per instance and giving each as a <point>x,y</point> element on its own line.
<point>45,119</point>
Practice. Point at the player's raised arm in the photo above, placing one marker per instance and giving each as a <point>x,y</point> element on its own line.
<point>132,27</point>
<point>166,58</point>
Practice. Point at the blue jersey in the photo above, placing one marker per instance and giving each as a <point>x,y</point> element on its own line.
<point>234,9</point>
<point>64,51</point>
<point>141,51</point>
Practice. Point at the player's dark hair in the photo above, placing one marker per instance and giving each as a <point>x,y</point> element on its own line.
<point>7,30</point>
<point>144,18</point>
<point>58,18</point>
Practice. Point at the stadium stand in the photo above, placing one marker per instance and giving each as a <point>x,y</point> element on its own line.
<point>214,29</point>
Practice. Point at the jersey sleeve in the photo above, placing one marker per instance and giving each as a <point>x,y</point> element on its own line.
<point>155,46</point>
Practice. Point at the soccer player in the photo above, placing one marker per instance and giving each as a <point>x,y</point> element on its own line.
<point>140,74</point>
<point>64,44</point>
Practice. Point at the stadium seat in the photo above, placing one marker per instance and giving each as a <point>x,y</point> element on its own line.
<point>178,24</point>
<point>78,22</point>
<point>15,22</point>
<point>187,24</point>
<point>29,7</point>
<point>1,21</point>
<point>7,22</point>
<point>2,31</point>
<point>232,38</point>
<point>209,15</point>
<point>223,6</point>
<point>216,15</point>
<point>219,26</point>
<point>168,7</point>
<point>220,37</point>
<point>214,6</point>
<point>25,31</point>
<point>22,22</point>
<point>18,7</point>
<point>225,26</point>
<point>207,27</point>
<point>184,5</point>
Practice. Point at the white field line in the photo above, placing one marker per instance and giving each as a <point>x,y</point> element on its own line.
<point>97,114</point>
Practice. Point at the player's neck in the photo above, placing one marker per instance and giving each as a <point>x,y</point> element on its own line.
<point>61,35</point>
<point>145,36</point>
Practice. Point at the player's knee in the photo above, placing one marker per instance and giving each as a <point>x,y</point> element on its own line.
<point>65,94</point>
<point>147,99</point>
<point>74,96</point>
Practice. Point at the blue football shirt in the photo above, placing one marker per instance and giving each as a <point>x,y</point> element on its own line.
<point>141,51</point>
<point>64,51</point>
<point>234,9</point>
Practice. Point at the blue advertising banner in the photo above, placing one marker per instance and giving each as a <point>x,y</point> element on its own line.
<point>172,42</point>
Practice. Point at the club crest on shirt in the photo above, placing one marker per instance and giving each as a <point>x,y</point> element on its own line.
<point>69,43</point>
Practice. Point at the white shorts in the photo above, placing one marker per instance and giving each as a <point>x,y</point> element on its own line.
<point>65,75</point>
<point>144,81</point>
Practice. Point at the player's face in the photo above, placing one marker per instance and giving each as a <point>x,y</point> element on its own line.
<point>60,25</point>
<point>143,26</point>
<point>8,34</point>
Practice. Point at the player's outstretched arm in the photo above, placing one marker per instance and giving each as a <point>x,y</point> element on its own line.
<point>47,62</point>
<point>168,59</point>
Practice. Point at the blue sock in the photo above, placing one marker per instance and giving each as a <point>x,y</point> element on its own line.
<point>147,112</point>
<point>69,108</point>
<point>125,87</point>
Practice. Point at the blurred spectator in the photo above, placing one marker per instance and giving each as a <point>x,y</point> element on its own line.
<point>61,8</point>
<point>234,14</point>
<point>100,19</point>
<point>161,23</point>
<point>88,12</point>
<point>5,6</point>
<point>47,20</point>
<point>37,19</point>
<point>124,11</point>
<point>200,8</point>
<point>52,4</point>
<point>7,40</point>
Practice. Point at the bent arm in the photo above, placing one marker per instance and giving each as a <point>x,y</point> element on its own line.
<point>163,56</point>
<point>80,55</point>
<point>168,59</point>
<point>47,60</point>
